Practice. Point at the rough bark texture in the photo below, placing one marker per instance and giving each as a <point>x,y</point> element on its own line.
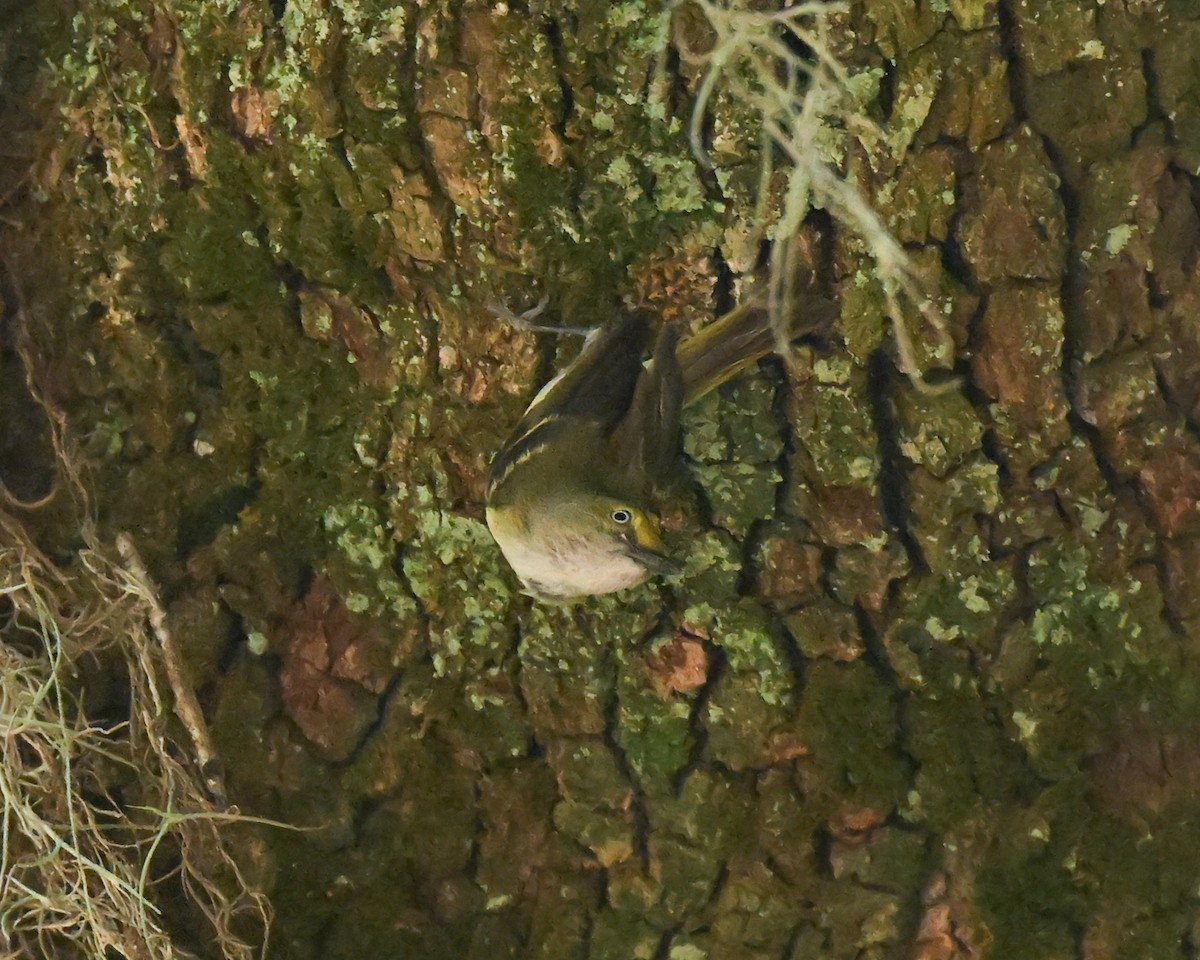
<point>929,686</point>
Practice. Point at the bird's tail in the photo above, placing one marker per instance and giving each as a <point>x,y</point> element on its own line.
<point>728,346</point>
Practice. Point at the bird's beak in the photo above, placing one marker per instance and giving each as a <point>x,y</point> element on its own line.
<point>646,547</point>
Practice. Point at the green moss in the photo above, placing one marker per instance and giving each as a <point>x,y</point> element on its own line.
<point>704,438</point>
<point>1015,226</point>
<point>825,629</point>
<point>973,14</point>
<point>653,731</point>
<point>893,859</point>
<point>1053,36</point>
<point>964,759</point>
<point>569,664</point>
<point>623,934</point>
<point>967,610</point>
<point>738,494</point>
<point>1044,925</point>
<point>677,187</point>
<point>747,415</point>
<point>922,204</point>
<point>1176,80</point>
<point>712,567</point>
<point>847,720</point>
<point>281,329</point>
<point>940,431</point>
<point>862,573</point>
<point>834,427</point>
<point>595,804</point>
<point>561,922</point>
<point>695,831</point>
<point>915,93</point>
<point>1097,643</point>
<point>215,246</point>
<point>456,573</point>
<point>756,914</point>
<point>745,635</point>
<point>898,28</point>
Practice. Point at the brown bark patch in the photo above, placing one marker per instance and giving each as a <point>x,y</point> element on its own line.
<point>334,663</point>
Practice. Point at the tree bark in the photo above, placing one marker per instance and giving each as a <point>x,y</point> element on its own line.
<point>928,686</point>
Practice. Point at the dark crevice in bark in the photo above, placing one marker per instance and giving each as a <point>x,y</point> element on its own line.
<point>547,359</point>
<point>705,518</point>
<point>235,640</point>
<point>829,557</point>
<point>589,926</point>
<point>1072,366</point>
<point>639,814</point>
<point>409,106</point>
<point>893,483</point>
<point>751,548</point>
<point>720,881</point>
<point>954,260</point>
<point>800,49</point>
<point>398,569</point>
<point>534,747</point>
<point>1155,296</point>
<point>724,294</point>
<point>365,807</point>
<point>875,656</point>
<point>793,941</point>
<point>204,365</point>
<point>875,653</point>
<point>887,90</point>
<point>292,278</point>
<point>554,35</point>
<point>787,450</point>
<point>760,529</point>
<point>1176,402</point>
<point>1154,111</point>
<point>796,660</point>
<point>1175,623</point>
<point>478,832</point>
<point>322,935</point>
<point>198,526</point>
<point>993,449</point>
<point>1074,316</point>
<point>778,870</point>
<point>28,472</point>
<point>382,702</point>
<point>663,950</point>
<point>1189,945</point>
<point>1025,603</point>
<point>1010,47</point>
<point>717,664</point>
<point>991,444</point>
<point>822,848</point>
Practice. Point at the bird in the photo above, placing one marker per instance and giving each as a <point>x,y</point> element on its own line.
<point>573,493</point>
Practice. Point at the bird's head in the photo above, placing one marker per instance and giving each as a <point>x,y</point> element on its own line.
<point>565,548</point>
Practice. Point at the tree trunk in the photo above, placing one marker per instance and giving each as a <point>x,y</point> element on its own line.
<point>928,686</point>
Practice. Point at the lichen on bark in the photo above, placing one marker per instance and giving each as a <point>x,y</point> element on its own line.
<point>926,685</point>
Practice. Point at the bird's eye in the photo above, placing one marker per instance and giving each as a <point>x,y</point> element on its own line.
<point>621,516</point>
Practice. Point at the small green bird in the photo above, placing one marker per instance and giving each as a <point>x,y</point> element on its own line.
<point>573,493</point>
